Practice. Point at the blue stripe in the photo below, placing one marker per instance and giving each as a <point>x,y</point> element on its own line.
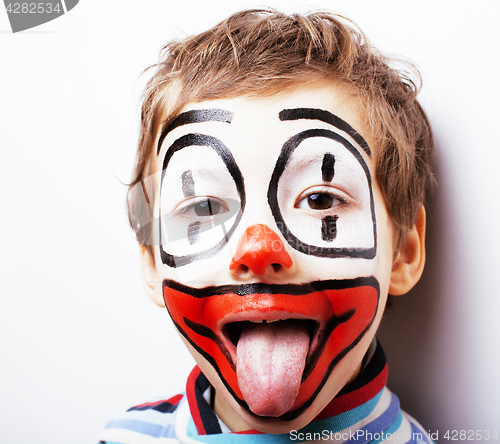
<point>415,431</point>
<point>344,420</point>
<point>235,438</point>
<point>393,428</point>
<point>169,432</point>
<point>366,433</point>
<point>334,424</point>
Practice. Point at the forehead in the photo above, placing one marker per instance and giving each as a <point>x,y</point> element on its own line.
<point>259,127</point>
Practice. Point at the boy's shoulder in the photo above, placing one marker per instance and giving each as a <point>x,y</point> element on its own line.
<point>156,421</point>
<point>152,421</point>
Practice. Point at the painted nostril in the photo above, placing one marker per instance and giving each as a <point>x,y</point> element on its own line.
<point>276,267</point>
<point>258,248</point>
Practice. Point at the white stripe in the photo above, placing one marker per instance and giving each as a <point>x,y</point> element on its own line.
<point>130,437</point>
<point>64,6</point>
<point>419,426</point>
<point>181,423</point>
<point>402,434</point>
<point>150,416</point>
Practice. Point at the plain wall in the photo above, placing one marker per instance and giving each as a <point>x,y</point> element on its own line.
<point>80,340</point>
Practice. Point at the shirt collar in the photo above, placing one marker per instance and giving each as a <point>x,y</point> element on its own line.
<point>370,381</point>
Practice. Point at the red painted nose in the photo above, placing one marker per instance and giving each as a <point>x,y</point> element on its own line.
<point>258,248</point>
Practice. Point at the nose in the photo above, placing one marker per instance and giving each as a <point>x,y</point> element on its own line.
<point>258,248</point>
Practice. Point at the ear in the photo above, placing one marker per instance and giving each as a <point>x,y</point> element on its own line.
<point>410,260</point>
<point>150,278</point>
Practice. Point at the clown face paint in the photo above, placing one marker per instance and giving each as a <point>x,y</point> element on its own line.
<point>275,249</point>
<point>213,196</point>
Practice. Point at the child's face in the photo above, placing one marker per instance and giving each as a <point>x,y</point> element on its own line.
<point>269,211</point>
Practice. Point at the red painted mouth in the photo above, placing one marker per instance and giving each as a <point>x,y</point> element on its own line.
<point>336,313</point>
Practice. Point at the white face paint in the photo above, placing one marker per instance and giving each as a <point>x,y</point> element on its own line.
<point>269,213</point>
<point>324,197</point>
<point>199,205</point>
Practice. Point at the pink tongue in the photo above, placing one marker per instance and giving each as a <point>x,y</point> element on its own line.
<point>270,362</point>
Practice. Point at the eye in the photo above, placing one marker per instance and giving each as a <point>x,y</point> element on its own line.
<point>320,201</point>
<point>205,207</point>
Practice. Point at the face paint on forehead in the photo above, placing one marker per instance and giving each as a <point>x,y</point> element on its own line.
<point>328,167</point>
<point>327,117</point>
<point>195,116</point>
<point>187,183</point>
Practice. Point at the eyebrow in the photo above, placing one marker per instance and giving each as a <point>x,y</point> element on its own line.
<point>327,117</point>
<point>195,116</point>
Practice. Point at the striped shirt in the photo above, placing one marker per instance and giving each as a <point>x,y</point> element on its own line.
<point>364,411</point>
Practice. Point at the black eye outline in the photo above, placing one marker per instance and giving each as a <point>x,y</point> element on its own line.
<point>272,196</point>
<point>204,140</point>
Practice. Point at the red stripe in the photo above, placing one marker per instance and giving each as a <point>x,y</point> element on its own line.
<point>356,398</point>
<point>174,400</point>
<point>193,405</point>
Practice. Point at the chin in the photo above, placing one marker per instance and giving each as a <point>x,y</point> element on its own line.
<point>277,426</point>
<point>344,372</point>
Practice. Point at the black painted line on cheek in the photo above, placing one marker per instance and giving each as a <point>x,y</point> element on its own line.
<point>329,228</point>
<point>187,183</point>
<point>193,232</point>
<point>328,167</point>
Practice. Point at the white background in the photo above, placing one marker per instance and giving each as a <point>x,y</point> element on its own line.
<point>80,341</point>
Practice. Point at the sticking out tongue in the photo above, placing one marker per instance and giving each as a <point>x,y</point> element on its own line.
<point>270,362</point>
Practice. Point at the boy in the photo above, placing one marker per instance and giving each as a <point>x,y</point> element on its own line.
<point>278,200</point>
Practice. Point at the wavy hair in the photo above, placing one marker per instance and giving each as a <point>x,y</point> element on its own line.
<point>262,53</point>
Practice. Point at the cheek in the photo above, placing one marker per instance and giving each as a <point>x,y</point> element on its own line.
<point>354,310</point>
<point>382,263</point>
<point>310,268</point>
<point>198,325</point>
